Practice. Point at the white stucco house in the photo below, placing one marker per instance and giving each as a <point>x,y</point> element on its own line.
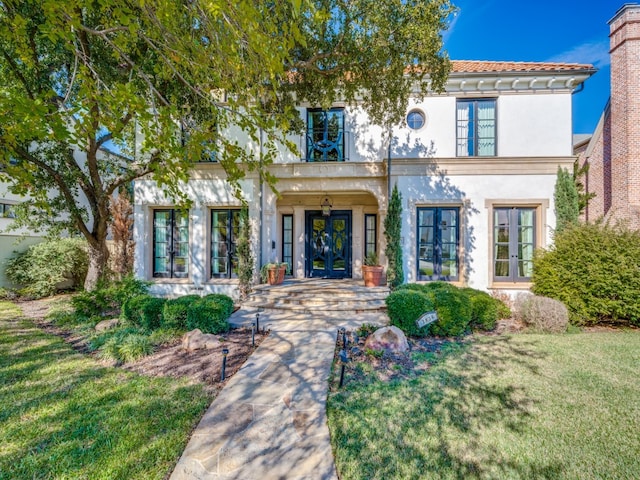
<point>476,167</point>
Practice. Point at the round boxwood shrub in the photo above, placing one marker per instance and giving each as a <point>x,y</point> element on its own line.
<point>144,311</point>
<point>484,309</point>
<point>208,315</point>
<point>225,301</point>
<point>454,312</point>
<point>174,313</point>
<point>131,309</point>
<point>404,307</point>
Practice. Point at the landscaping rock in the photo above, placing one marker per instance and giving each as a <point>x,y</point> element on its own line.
<point>391,339</point>
<point>196,340</point>
<point>107,324</point>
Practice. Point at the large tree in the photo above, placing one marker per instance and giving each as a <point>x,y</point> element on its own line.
<point>160,80</point>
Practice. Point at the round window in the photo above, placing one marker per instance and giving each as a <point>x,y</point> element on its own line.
<point>415,119</point>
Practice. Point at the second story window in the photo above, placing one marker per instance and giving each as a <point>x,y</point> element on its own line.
<point>476,127</point>
<point>325,135</point>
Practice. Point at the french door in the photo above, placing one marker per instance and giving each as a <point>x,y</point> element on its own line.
<point>328,240</point>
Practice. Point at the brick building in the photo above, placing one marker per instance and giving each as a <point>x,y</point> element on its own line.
<point>613,153</point>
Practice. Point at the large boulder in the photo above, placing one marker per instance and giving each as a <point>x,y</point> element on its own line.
<point>391,339</point>
<point>196,340</point>
<point>107,324</point>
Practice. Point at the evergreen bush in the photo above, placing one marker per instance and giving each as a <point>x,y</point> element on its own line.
<point>393,234</point>
<point>45,267</point>
<point>174,313</point>
<point>404,307</point>
<point>484,309</point>
<point>108,297</point>
<point>454,312</point>
<point>566,199</point>
<point>594,269</point>
<point>225,301</point>
<point>132,309</point>
<point>151,313</point>
<point>209,315</point>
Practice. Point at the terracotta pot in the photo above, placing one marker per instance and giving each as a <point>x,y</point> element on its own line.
<point>372,275</point>
<point>275,275</point>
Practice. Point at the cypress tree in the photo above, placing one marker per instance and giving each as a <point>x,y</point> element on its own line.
<point>393,233</point>
<point>566,199</point>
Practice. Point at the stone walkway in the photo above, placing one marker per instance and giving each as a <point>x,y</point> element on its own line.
<point>269,422</point>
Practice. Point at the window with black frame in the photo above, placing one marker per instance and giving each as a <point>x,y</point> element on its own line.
<point>325,135</point>
<point>287,239</point>
<point>170,243</point>
<point>476,127</point>
<point>225,226</point>
<point>438,243</point>
<point>370,235</point>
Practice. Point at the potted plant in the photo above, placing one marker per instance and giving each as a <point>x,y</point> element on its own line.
<point>372,271</point>
<point>273,273</point>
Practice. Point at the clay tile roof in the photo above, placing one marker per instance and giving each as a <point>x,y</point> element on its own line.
<point>477,66</point>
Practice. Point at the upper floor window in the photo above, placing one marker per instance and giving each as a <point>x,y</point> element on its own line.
<point>170,243</point>
<point>325,135</point>
<point>7,211</point>
<point>415,119</point>
<point>476,127</point>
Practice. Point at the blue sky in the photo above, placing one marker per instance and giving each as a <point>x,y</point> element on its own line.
<point>545,30</point>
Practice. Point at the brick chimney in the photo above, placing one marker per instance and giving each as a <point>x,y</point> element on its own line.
<point>625,113</point>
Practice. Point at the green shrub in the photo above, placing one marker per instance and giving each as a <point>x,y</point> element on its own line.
<point>45,267</point>
<point>485,310</point>
<point>542,314</point>
<point>438,286</point>
<point>405,306</point>
<point>126,346</point>
<point>454,311</point>
<point>174,314</point>
<point>108,297</point>
<point>99,340</point>
<point>225,302</point>
<point>209,315</point>
<point>144,311</point>
<point>594,270</point>
<point>151,313</point>
<point>134,347</point>
<point>164,336</point>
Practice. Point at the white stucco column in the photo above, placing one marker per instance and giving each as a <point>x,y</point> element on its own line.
<point>198,257</point>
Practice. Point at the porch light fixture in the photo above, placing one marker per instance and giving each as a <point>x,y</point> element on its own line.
<point>326,207</point>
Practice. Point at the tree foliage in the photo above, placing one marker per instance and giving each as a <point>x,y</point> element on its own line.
<point>593,269</point>
<point>163,80</point>
<point>566,200</point>
<point>393,234</point>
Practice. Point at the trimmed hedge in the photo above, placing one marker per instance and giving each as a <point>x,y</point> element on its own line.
<point>594,269</point>
<point>225,302</point>
<point>404,307</point>
<point>209,315</point>
<point>144,311</point>
<point>174,313</point>
<point>485,310</point>
<point>454,312</point>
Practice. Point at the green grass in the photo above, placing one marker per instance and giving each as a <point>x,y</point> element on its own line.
<point>63,416</point>
<point>527,406</point>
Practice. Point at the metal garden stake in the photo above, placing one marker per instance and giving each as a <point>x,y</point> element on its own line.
<point>343,359</point>
<point>225,352</point>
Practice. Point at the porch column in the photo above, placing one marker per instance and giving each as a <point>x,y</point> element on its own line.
<point>298,267</point>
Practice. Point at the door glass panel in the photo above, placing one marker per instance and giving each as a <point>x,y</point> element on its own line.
<point>514,243</point>
<point>339,240</point>
<point>319,243</point>
<point>287,239</point>
<point>219,238</point>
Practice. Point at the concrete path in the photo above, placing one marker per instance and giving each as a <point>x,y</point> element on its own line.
<point>269,422</point>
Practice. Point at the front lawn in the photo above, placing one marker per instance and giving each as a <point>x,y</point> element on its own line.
<point>65,416</point>
<point>524,406</point>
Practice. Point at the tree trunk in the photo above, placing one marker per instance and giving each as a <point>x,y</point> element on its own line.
<point>98,257</point>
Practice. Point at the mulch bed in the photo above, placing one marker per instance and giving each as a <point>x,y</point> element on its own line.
<point>200,366</point>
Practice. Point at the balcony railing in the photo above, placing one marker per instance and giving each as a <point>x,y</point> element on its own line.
<point>325,145</point>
